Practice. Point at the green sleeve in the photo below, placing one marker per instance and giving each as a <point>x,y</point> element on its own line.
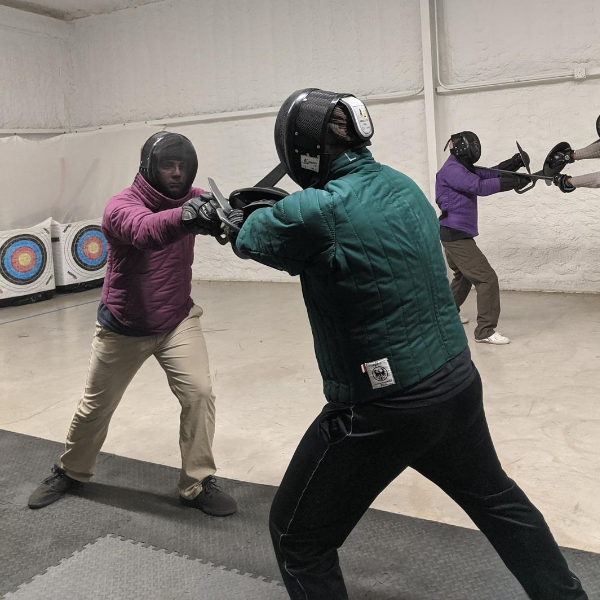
<point>297,233</point>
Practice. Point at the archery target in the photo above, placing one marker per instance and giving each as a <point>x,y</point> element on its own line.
<point>26,264</point>
<point>80,252</point>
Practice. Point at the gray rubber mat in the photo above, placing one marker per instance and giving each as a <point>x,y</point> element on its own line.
<point>115,568</point>
<point>128,534</point>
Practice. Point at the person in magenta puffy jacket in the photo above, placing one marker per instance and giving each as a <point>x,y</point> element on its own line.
<point>146,310</point>
<point>458,185</point>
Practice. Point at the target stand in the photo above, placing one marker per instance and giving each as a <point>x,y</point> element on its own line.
<point>26,265</point>
<point>80,251</point>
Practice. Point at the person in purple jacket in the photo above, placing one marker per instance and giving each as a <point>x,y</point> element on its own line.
<point>146,310</point>
<point>458,185</point>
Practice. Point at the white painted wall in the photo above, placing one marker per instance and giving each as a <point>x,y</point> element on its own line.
<point>483,40</point>
<point>541,240</point>
<point>179,58</point>
<point>35,72</point>
<point>398,141</point>
<point>188,57</point>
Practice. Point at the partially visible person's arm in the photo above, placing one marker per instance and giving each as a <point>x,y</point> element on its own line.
<point>591,151</point>
<point>482,184</point>
<point>295,234</point>
<point>567,184</point>
<point>514,163</point>
<point>462,180</point>
<point>129,222</point>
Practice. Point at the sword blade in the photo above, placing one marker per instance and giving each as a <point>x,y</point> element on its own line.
<point>528,175</point>
<point>223,203</point>
<point>223,207</point>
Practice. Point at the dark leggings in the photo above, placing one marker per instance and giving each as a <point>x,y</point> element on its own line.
<point>323,494</point>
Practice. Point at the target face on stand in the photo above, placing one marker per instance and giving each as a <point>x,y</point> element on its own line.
<point>89,248</point>
<point>23,259</point>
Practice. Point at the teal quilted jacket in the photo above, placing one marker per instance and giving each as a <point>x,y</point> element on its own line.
<point>373,277</point>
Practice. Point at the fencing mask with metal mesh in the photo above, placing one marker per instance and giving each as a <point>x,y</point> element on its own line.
<point>303,138</point>
<point>169,163</point>
<point>598,126</point>
<point>465,146</point>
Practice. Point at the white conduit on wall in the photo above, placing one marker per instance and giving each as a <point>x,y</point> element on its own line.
<point>556,77</point>
<point>211,117</point>
<point>441,88</point>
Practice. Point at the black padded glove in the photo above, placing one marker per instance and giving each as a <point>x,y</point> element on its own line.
<point>236,217</point>
<point>513,182</point>
<point>198,216</point>
<point>561,181</point>
<point>559,159</point>
<point>513,163</point>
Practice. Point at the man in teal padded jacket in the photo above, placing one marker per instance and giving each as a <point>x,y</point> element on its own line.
<point>397,374</point>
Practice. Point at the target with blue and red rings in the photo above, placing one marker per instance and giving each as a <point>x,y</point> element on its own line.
<point>89,248</point>
<point>23,259</point>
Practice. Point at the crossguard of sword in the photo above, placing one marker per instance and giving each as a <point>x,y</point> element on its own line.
<point>223,209</point>
<point>534,177</point>
<point>526,161</point>
<point>527,187</point>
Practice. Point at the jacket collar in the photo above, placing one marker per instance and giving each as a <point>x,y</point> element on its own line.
<point>463,163</point>
<point>350,161</point>
<point>153,199</point>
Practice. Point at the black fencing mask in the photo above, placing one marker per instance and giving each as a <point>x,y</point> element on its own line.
<point>301,133</point>
<point>169,163</point>
<point>598,126</point>
<point>465,146</point>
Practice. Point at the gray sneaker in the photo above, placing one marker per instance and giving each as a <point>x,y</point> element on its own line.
<point>212,499</point>
<point>52,488</point>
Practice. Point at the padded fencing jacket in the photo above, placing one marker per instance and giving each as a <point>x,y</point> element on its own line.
<point>148,277</point>
<point>456,191</point>
<point>373,277</point>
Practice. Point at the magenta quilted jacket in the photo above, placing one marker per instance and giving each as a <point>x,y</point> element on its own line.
<point>149,267</point>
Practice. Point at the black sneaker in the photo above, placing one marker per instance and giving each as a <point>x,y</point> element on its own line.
<point>52,488</point>
<point>212,499</point>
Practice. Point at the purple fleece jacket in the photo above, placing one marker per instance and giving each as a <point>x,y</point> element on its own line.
<point>456,191</point>
<point>148,277</point>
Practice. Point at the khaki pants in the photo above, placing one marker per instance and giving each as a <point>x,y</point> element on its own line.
<point>471,267</point>
<point>114,361</point>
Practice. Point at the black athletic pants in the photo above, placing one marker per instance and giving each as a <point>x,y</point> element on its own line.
<point>350,454</point>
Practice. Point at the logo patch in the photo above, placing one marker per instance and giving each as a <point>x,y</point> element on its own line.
<point>380,373</point>
<point>310,163</point>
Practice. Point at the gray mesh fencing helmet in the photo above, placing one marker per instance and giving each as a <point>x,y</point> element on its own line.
<point>301,133</point>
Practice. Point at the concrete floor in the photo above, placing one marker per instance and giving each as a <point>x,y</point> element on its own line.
<point>542,394</point>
